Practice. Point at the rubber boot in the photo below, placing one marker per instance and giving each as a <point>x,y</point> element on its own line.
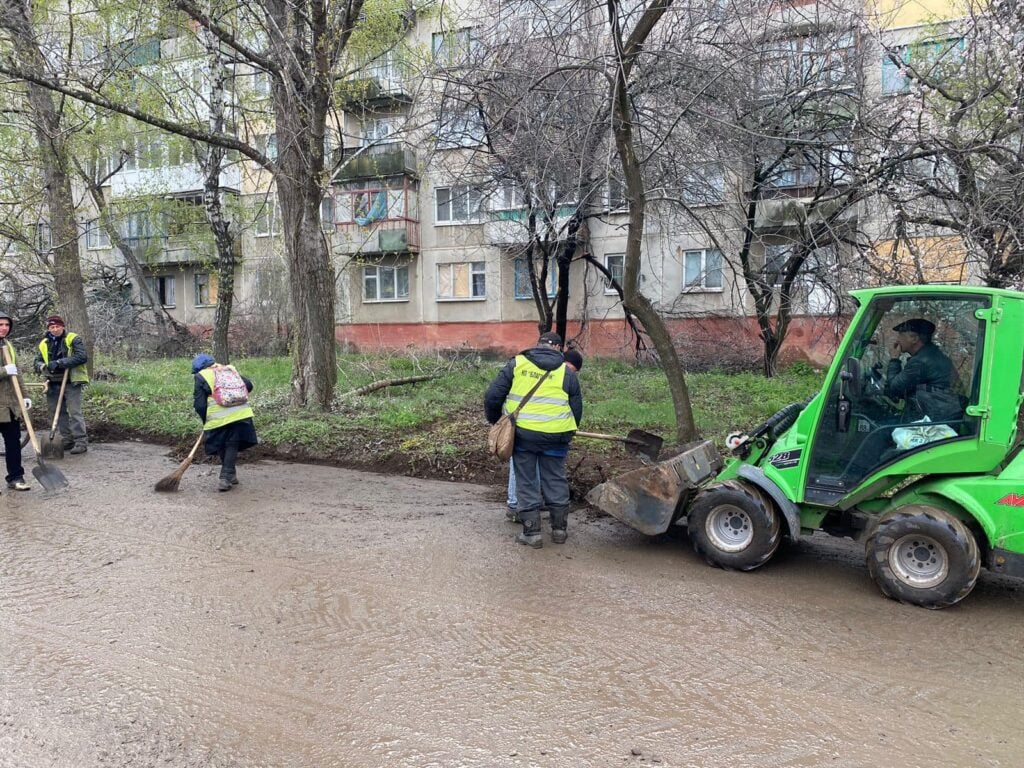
<point>530,535</point>
<point>559,523</point>
<point>224,484</point>
<point>511,515</point>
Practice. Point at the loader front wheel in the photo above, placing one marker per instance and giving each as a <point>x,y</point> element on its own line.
<point>924,556</point>
<point>734,526</point>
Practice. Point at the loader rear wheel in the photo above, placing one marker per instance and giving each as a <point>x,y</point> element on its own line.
<point>923,556</point>
<point>734,526</point>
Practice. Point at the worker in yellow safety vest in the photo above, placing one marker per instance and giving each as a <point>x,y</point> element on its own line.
<point>545,426</point>
<point>60,351</point>
<point>220,397</point>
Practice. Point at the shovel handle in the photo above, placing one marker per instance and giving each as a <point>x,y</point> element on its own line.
<point>21,404</point>
<point>599,436</point>
<point>60,399</point>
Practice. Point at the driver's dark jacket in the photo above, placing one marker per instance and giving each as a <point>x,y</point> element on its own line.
<point>928,382</point>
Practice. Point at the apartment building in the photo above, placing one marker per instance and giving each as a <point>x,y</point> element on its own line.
<point>429,258</point>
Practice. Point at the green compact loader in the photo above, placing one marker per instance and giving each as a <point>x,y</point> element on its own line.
<point>930,477</point>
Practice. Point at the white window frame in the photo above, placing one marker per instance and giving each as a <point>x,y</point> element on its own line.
<point>452,48</point>
<point>211,287</point>
<point>378,271</point>
<point>704,185</point>
<point>476,268</point>
<point>462,128</point>
<point>96,238</point>
<point>170,300</point>
<point>608,257</point>
<point>456,192</point>
<point>527,295</point>
<point>267,222</point>
<point>701,285</point>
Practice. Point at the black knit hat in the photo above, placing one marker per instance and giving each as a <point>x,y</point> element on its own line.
<point>551,339</point>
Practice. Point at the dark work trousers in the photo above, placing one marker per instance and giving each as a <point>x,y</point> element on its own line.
<point>71,422</point>
<point>11,431</point>
<point>228,457</point>
<point>541,482</point>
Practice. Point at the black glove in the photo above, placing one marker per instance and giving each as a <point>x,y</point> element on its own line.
<point>53,365</point>
<point>39,366</point>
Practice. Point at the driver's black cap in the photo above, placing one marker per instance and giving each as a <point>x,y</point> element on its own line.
<point>917,325</point>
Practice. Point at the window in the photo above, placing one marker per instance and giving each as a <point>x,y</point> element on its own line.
<point>462,281</point>
<point>454,205</point>
<point>44,237</point>
<point>261,84</point>
<point>776,259</point>
<point>266,143</point>
<point>385,283</point>
<point>924,58</point>
<point>365,205</point>
<point>383,130</point>
<point>453,48</point>
<point>507,197</point>
<point>95,236</point>
<point>179,151</point>
<point>187,217</point>
<point>522,278</point>
<point>150,151</point>
<point>137,226</point>
<point>823,166</point>
<point>702,269</point>
<point>267,221</point>
<point>461,126</point>
<point>206,289</point>
<point>704,184</point>
<point>616,195</point>
<point>327,208</point>
<point>163,287</point>
<point>614,263</point>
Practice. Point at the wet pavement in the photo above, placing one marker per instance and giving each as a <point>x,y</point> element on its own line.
<point>317,617</point>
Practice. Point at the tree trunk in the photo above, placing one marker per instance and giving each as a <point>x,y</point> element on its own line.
<point>633,300</point>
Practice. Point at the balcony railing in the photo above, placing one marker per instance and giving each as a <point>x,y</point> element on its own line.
<point>165,251</point>
<point>376,85</point>
<point>378,161</point>
<point>387,236</point>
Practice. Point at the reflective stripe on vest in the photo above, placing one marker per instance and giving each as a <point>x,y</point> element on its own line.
<point>217,415</point>
<point>548,409</point>
<point>79,374</point>
<point>13,358</point>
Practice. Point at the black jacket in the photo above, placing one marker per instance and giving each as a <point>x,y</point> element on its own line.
<point>929,384</point>
<point>56,349</point>
<point>547,359</point>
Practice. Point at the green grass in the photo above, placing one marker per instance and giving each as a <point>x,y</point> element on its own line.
<point>442,417</point>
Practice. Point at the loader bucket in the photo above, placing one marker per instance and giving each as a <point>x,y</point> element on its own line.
<point>646,498</point>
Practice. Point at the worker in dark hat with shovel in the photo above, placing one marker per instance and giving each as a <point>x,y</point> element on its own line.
<point>63,354</point>
<point>550,402</point>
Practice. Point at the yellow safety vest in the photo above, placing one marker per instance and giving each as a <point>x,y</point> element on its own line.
<point>217,415</point>
<point>548,409</point>
<point>10,352</point>
<point>79,374</point>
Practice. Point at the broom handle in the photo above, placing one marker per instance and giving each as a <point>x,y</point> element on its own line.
<point>195,447</point>
<point>60,399</point>
<point>21,405</point>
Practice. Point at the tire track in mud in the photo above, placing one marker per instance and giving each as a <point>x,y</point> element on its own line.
<point>431,640</point>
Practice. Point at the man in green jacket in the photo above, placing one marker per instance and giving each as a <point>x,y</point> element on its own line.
<point>61,351</point>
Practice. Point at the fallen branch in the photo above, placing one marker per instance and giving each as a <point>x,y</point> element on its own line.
<point>383,383</point>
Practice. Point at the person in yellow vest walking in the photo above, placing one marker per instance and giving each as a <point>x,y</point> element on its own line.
<point>10,409</point>
<point>544,429</point>
<point>226,413</point>
<point>59,351</point>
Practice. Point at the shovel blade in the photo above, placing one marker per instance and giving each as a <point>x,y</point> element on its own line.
<point>644,443</point>
<point>51,478</point>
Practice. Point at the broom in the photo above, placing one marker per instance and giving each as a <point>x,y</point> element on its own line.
<point>53,448</point>
<point>169,484</point>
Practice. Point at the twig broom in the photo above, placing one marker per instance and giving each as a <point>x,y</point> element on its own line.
<point>170,483</point>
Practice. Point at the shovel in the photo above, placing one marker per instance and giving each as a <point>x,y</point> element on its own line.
<point>637,441</point>
<point>51,478</point>
<point>54,449</point>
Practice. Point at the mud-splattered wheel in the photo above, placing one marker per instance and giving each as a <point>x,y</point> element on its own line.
<point>734,525</point>
<point>923,556</point>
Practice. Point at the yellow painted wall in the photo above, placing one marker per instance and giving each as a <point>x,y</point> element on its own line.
<point>908,13</point>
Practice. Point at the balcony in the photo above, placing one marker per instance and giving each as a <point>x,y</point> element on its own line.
<point>377,162</point>
<point>387,236</point>
<point>375,86</point>
<point>163,251</point>
<point>788,213</point>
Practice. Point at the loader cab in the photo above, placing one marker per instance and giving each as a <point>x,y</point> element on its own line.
<point>908,372</point>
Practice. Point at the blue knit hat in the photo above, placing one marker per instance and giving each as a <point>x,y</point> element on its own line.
<point>200,361</point>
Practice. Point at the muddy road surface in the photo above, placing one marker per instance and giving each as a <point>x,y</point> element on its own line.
<point>315,617</point>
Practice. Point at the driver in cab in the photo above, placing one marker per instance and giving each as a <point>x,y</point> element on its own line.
<point>927,381</point>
